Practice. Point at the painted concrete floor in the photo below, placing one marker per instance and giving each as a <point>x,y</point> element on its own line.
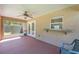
<point>27,45</point>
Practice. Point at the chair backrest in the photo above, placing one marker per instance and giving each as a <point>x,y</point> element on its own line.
<point>76,45</point>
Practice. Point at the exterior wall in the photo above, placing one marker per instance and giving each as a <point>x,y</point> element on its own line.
<point>70,21</point>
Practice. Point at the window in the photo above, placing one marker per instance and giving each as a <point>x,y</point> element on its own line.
<point>56,23</point>
<point>12,27</point>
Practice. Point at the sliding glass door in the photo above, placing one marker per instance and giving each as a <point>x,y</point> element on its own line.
<point>13,28</point>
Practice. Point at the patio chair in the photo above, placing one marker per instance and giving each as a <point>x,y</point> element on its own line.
<point>72,48</point>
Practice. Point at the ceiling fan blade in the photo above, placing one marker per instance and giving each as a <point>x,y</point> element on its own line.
<point>26,15</point>
<point>19,15</point>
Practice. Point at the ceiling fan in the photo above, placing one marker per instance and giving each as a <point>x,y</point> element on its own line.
<point>26,15</point>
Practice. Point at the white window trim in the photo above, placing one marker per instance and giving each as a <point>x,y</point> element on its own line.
<point>57,22</point>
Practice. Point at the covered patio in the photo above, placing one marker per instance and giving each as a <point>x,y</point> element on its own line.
<point>26,45</point>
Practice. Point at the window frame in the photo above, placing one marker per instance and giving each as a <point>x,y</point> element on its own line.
<point>53,23</point>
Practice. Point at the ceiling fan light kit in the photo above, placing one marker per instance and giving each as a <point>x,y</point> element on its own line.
<point>26,15</point>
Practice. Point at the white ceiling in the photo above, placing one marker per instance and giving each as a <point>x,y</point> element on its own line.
<point>13,10</point>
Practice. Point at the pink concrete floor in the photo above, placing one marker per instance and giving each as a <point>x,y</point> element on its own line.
<point>27,45</point>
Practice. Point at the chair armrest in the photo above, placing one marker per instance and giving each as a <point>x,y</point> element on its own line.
<point>73,52</point>
<point>67,46</point>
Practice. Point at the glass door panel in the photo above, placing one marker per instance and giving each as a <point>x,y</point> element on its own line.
<point>12,28</point>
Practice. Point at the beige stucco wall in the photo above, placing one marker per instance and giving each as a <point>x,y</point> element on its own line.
<point>70,21</point>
